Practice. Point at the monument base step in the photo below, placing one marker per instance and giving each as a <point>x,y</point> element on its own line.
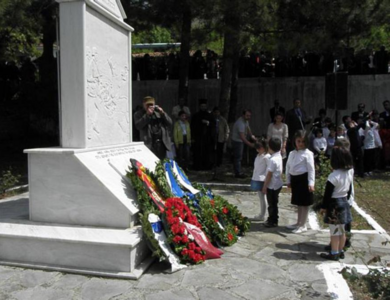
<point>75,249</point>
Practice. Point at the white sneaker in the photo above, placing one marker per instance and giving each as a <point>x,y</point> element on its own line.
<point>300,229</point>
<point>292,226</point>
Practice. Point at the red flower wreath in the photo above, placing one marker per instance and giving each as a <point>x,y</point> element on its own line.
<point>176,212</point>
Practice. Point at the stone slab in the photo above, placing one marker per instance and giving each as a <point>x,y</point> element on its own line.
<point>85,186</point>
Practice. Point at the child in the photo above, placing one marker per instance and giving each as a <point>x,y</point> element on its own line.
<point>182,139</point>
<point>330,140</point>
<point>273,181</point>
<point>335,205</point>
<point>259,172</point>
<point>300,176</point>
<point>344,143</point>
<point>369,146</point>
<point>341,132</point>
<point>319,143</point>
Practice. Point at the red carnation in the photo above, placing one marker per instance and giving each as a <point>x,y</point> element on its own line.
<point>184,252</point>
<point>225,210</point>
<point>198,250</point>
<point>230,237</point>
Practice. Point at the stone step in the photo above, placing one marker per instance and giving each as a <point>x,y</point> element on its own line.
<point>96,251</point>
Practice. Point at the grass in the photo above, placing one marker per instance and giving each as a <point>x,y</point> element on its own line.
<point>372,194</point>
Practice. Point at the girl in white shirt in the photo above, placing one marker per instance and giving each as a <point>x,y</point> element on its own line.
<point>369,146</point>
<point>300,176</point>
<point>335,204</point>
<point>258,177</point>
<point>319,143</point>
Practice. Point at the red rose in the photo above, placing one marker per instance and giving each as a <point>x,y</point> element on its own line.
<point>184,252</point>
<point>184,239</point>
<point>191,246</point>
<point>177,239</point>
<point>225,210</point>
<point>182,229</point>
<point>215,218</point>
<point>191,254</point>
<point>175,229</point>
<point>198,250</point>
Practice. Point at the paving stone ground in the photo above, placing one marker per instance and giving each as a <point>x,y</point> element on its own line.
<point>264,264</point>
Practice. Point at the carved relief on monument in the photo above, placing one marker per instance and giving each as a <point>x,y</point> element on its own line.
<point>107,92</point>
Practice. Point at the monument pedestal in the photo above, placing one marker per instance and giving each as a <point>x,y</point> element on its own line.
<point>82,214</point>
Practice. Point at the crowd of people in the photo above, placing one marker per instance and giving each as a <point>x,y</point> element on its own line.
<point>263,64</point>
<point>293,144</point>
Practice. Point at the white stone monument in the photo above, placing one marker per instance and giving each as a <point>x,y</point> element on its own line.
<point>82,207</point>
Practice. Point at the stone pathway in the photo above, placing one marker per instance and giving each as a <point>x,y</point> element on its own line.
<point>265,264</point>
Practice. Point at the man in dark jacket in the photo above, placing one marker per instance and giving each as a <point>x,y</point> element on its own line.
<point>154,126</point>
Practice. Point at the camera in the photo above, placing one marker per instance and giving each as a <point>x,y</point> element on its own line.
<point>156,107</point>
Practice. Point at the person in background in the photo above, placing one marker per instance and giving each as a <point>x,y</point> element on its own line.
<point>356,146</point>
<point>296,119</point>
<point>369,145</point>
<point>320,120</point>
<point>180,107</point>
<point>300,175</point>
<point>273,181</point>
<point>279,130</point>
<point>335,205</point>
<point>319,144</point>
<point>202,129</point>
<point>325,129</point>
<point>277,109</point>
<point>341,132</point>
<point>259,173</point>
<point>384,133</point>
<point>360,113</point>
<point>182,139</point>
<point>330,141</point>
<point>222,132</point>
<point>241,135</point>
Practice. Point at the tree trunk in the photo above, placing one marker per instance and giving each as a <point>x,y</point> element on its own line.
<point>230,48</point>
<point>234,88</point>
<point>185,53</point>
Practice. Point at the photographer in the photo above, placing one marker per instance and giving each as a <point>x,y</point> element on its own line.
<point>154,126</point>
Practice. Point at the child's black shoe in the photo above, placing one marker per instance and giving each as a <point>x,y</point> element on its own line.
<point>330,256</point>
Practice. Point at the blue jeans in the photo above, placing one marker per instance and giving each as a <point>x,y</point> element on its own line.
<point>238,150</point>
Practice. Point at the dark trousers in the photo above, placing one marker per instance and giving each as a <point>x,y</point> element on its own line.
<point>369,160</point>
<point>183,153</point>
<point>159,149</point>
<point>357,156</point>
<point>273,210</point>
<point>219,154</point>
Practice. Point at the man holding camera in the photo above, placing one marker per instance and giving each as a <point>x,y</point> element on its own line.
<point>154,126</point>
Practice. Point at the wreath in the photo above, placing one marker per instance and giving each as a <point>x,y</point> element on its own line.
<point>175,214</point>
